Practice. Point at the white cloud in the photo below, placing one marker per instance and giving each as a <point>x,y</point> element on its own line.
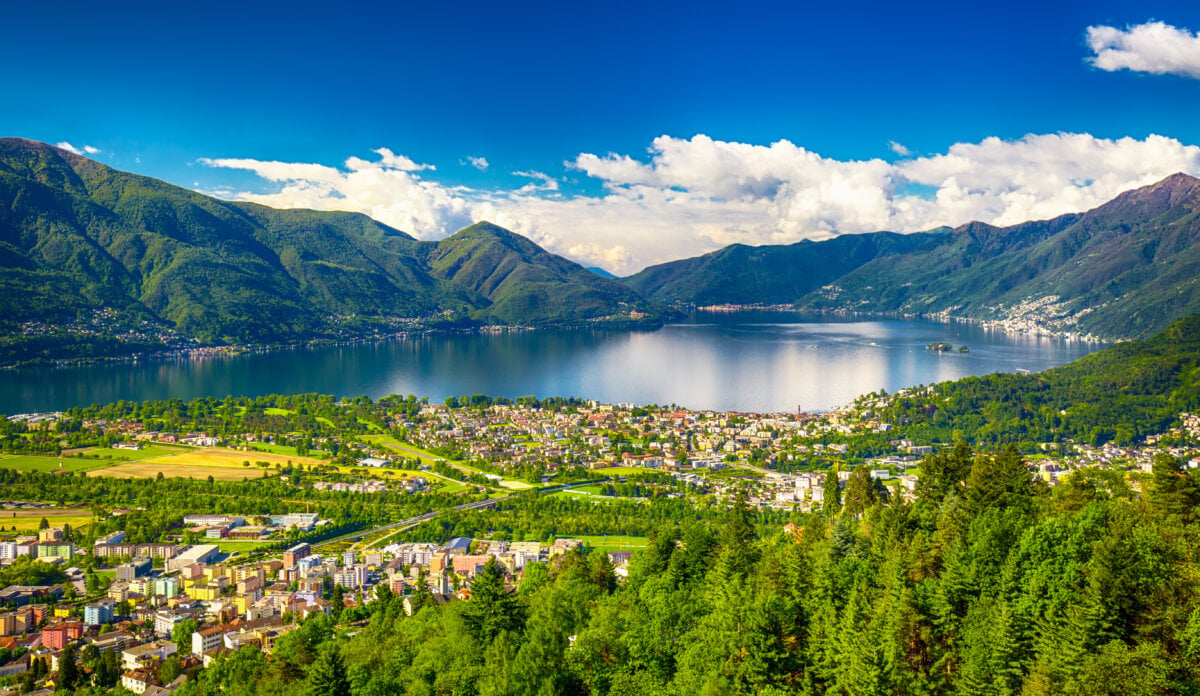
<point>690,196</point>
<point>1154,47</point>
<point>86,149</point>
<point>899,148</point>
<point>541,182</point>
<point>479,163</point>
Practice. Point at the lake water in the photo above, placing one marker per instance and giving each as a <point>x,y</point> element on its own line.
<point>750,361</point>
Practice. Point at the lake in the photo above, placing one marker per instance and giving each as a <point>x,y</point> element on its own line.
<point>749,361</point>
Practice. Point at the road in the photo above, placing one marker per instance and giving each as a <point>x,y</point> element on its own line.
<point>410,522</point>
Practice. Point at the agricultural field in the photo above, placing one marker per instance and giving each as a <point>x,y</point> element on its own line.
<point>28,521</point>
<point>220,463</point>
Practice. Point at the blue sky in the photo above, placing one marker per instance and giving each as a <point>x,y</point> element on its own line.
<point>687,98</point>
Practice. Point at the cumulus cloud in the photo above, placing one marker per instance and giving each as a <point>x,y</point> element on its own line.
<point>690,196</point>
<point>541,182</point>
<point>86,149</point>
<point>1154,47</point>
<point>388,189</point>
<point>479,163</point>
<point>899,148</point>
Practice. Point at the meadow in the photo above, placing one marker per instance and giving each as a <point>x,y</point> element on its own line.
<point>28,521</point>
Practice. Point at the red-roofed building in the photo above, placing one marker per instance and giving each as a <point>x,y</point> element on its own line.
<point>57,636</point>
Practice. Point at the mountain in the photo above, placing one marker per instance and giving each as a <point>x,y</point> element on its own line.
<point>775,274</point>
<point>80,240</point>
<point>601,272</point>
<point>525,284</point>
<point>1124,269</point>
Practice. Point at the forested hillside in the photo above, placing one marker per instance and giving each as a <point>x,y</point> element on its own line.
<point>1119,394</point>
<point>987,584</point>
<point>80,240</point>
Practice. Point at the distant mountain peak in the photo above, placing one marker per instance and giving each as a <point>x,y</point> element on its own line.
<point>1154,199</point>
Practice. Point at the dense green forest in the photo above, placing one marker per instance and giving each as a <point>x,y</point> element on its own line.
<point>988,583</point>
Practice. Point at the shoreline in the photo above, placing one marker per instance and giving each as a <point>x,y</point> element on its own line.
<point>1008,326</point>
<point>180,354</point>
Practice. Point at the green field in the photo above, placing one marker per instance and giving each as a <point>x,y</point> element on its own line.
<point>228,546</point>
<point>25,462</point>
<point>615,543</point>
<point>621,471</point>
<point>389,442</point>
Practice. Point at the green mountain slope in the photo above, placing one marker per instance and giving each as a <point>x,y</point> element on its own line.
<point>1127,268</point>
<point>526,284</point>
<point>774,274</point>
<point>83,235</point>
<point>78,237</point>
<point>1120,394</point>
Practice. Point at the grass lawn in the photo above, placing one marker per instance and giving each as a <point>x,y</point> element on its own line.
<point>402,448</point>
<point>24,462</point>
<point>228,546</point>
<point>272,411</point>
<point>28,521</point>
<point>621,471</point>
<point>615,543</point>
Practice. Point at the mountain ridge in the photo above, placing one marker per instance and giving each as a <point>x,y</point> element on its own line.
<point>1126,268</point>
<point>79,238</point>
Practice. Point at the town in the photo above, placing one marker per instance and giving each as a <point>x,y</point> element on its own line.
<point>142,614</point>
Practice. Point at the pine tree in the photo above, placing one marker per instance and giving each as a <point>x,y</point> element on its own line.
<point>492,609</point>
<point>738,551</point>
<point>68,671</point>
<point>833,493</point>
<point>337,602</point>
<point>860,493</point>
<point>327,675</point>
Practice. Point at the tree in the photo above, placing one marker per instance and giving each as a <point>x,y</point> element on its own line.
<point>860,492</point>
<point>68,671</point>
<point>44,524</point>
<point>738,551</point>
<point>327,675</point>
<point>337,602</point>
<point>1175,493</point>
<point>181,634</point>
<point>169,669</point>
<point>108,672</point>
<point>833,492</point>
<point>492,610</point>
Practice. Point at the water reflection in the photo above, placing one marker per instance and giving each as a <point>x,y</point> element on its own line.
<point>758,361</point>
